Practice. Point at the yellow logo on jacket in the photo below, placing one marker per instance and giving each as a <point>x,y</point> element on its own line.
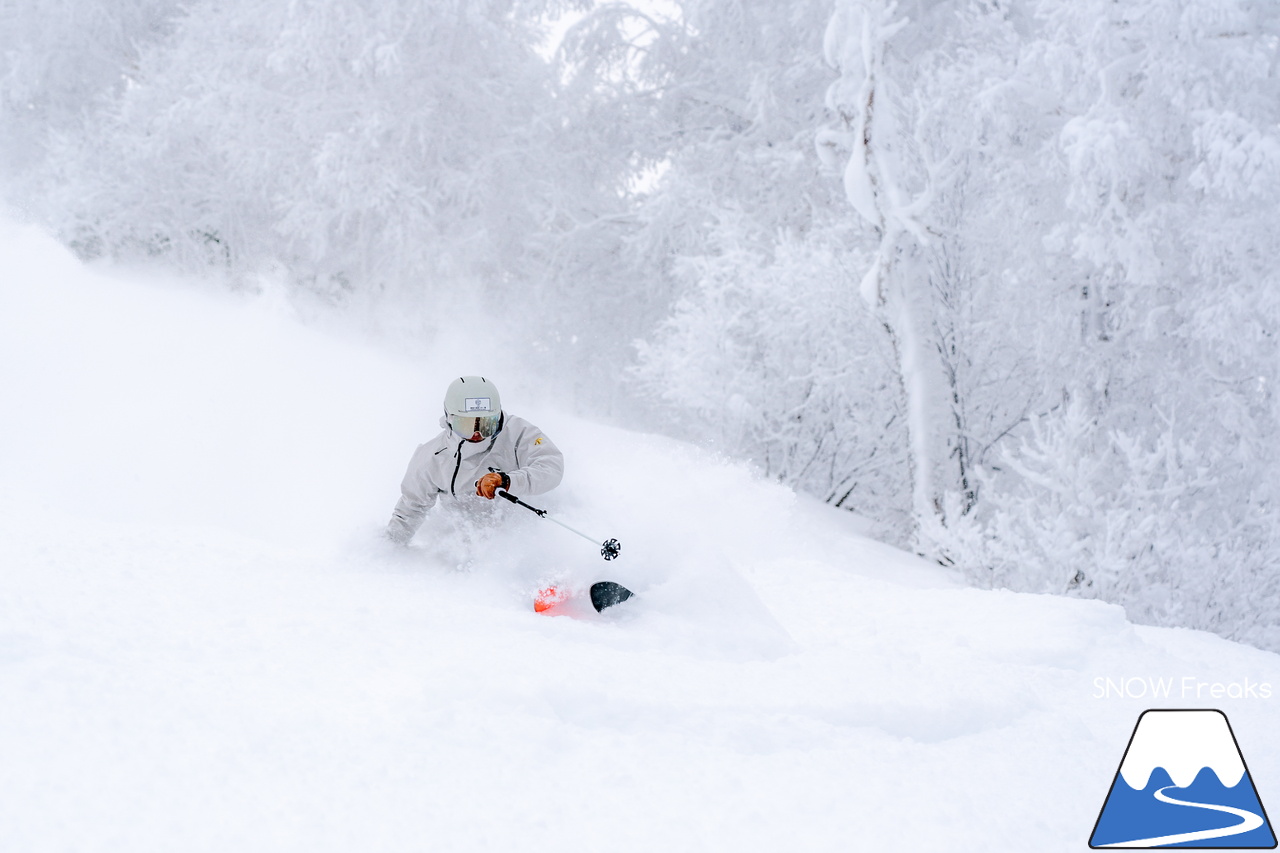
<point>537,441</point>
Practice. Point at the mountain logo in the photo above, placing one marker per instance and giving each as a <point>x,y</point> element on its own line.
<point>1183,783</point>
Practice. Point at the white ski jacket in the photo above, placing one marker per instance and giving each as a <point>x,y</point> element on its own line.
<point>449,466</point>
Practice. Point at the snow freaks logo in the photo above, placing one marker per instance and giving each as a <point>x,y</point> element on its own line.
<point>1188,688</point>
<point>1183,783</point>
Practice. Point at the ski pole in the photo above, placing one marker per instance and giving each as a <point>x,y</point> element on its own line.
<point>608,549</point>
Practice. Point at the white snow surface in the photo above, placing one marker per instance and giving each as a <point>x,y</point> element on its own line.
<point>205,645</point>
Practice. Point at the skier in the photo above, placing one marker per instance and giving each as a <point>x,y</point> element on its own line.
<point>481,449</point>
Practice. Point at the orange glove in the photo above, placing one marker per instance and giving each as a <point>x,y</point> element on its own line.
<point>487,485</point>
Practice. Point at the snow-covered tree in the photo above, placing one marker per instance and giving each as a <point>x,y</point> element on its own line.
<point>934,147</point>
<point>750,338</point>
<point>1140,483</point>
<point>1071,200</point>
<point>58,60</point>
<point>366,147</point>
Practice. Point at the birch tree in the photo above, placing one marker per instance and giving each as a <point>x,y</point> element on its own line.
<point>888,185</point>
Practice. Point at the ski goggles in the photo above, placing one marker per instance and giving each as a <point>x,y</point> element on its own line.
<point>467,426</point>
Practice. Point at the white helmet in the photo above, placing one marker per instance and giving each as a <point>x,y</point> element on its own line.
<point>473,408</point>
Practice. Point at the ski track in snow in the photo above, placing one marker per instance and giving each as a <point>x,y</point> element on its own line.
<point>205,646</point>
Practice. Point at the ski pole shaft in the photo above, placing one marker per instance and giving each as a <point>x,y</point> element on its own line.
<point>608,548</point>
<point>503,493</point>
<point>571,530</point>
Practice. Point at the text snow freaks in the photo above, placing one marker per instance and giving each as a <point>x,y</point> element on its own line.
<point>1186,687</point>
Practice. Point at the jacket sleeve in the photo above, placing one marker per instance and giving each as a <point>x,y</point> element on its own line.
<point>541,464</point>
<point>417,495</point>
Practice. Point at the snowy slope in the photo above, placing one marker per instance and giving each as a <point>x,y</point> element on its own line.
<point>204,646</point>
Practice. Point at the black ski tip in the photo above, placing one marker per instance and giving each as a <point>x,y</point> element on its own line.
<point>607,593</point>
